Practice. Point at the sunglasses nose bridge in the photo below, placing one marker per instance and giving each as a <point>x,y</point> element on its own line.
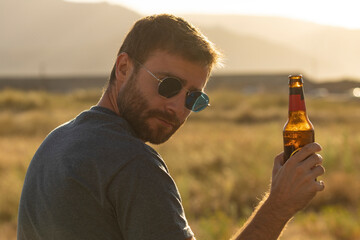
<point>193,101</point>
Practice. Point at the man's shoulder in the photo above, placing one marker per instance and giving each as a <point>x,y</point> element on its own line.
<point>93,138</point>
<point>96,127</point>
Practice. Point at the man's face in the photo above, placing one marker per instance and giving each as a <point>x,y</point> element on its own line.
<point>155,118</point>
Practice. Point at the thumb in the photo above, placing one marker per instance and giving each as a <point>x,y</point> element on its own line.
<point>278,163</point>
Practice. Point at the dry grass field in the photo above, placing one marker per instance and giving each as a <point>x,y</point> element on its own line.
<point>221,159</point>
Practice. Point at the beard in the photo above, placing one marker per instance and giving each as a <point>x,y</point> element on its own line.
<point>134,107</point>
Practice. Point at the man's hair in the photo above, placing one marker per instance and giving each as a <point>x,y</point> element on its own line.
<point>172,34</point>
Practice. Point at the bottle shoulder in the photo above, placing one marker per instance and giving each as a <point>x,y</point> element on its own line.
<point>298,121</point>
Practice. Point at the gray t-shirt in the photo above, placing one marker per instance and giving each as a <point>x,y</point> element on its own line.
<point>92,178</point>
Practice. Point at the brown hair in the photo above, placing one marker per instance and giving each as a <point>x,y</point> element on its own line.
<point>169,33</point>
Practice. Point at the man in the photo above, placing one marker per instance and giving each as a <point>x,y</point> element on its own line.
<point>95,178</point>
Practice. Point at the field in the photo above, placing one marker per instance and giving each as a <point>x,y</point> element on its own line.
<point>221,159</point>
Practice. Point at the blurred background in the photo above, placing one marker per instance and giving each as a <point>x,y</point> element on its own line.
<point>56,56</point>
<point>47,39</point>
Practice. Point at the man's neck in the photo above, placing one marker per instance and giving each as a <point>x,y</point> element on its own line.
<point>108,100</point>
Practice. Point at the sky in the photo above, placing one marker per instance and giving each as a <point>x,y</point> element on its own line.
<point>341,13</point>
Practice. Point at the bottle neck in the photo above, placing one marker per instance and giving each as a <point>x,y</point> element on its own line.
<point>296,99</point>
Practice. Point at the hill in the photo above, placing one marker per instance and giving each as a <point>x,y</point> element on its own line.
<point>52,38</point>
<point>330,52</point>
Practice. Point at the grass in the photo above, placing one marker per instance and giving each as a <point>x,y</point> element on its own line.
<point>221,159</point>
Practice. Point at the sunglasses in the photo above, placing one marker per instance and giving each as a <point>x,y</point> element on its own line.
<point>170,86</point>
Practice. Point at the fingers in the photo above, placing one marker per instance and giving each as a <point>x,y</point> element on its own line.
<point>305,152</point>
<point>314,169</point>
<point>312,161</point>
<point>313,165</point>
<point>317,171</point>
<point>316,186</point>
<point>294,183</point>
<point>308,164</point>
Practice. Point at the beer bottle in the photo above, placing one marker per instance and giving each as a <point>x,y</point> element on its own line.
<point>298,130</point>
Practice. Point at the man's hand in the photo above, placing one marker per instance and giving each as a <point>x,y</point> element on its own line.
<point>294,183</point>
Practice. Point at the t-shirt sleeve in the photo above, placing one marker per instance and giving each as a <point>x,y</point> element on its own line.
<point>147,202</point>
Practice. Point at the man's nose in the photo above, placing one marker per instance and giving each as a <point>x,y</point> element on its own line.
<point>176,104</point>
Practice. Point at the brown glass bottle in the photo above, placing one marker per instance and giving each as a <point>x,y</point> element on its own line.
<point>298,130</point>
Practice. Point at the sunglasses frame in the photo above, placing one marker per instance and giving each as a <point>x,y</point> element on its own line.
<point>189,94</point>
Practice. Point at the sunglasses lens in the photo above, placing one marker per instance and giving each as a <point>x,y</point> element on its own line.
<point>169,87</point>
<point>197,101</point>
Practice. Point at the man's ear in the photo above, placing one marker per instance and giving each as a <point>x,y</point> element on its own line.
<point>124,68</point>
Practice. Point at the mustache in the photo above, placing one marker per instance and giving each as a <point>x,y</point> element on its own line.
<point>171,118</point>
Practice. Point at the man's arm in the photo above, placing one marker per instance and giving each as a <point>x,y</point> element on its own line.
<point>293,186</point>
<point>264,223</point>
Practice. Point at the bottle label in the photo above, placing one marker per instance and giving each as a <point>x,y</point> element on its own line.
<point>297,91</point>
<point>296,100</point>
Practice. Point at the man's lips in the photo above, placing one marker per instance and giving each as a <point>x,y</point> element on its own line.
<point>165,122</point>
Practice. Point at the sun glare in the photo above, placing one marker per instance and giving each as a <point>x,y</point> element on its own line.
<point>356,92</point>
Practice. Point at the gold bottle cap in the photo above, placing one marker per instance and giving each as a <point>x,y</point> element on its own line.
<point>296,77</point>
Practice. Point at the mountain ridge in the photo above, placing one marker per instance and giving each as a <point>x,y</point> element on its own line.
<point>54,38</point>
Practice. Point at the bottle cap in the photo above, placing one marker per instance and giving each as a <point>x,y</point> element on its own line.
<point>296,77</point>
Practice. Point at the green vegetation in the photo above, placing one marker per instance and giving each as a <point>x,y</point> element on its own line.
<point>221,159</point>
